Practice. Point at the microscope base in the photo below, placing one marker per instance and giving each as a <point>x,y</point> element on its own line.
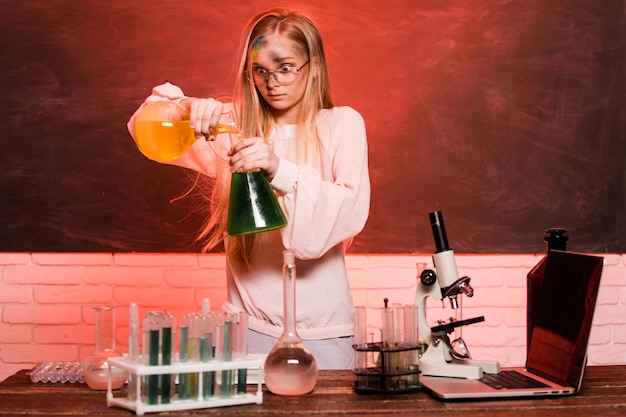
<point>437,361</point>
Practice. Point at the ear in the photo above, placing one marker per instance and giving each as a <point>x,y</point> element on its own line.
<point>315,67</point>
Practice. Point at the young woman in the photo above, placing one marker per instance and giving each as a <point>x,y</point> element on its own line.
<point>315,156</point>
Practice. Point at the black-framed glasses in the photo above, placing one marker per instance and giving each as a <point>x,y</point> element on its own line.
<point>284,75</point>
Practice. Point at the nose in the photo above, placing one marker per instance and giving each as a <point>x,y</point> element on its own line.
<point>271,77</point>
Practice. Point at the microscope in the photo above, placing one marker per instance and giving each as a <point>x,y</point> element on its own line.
<point>441,358</point>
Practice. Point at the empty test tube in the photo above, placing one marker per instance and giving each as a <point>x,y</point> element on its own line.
<point>398,327</point>
<point>388,337</point>
<point>360,338</point>
<point>133,348</point>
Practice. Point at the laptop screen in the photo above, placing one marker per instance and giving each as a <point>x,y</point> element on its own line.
<point>562,293</point>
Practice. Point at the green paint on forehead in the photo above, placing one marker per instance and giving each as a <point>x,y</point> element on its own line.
<point>256,45</point>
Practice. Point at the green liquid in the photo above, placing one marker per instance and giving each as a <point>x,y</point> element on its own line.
<point>183,356</point>
<point>166,379</point>
<point>227,375</point>
<point>208,378</point>
<point>153,380</point>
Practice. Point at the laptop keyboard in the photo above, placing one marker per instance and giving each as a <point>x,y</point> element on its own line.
<point>511,380</point>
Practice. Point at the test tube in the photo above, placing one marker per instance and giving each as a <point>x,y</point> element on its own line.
<point>145,356</point>
<point>389,359</point>
<point>195,335</point>
<point>133,348</point>
<point>388,337</point>
<point>227,340</point>
<point>153,380</point>
<point>401,357</point>
<point>206,306</point>
<point>399,326</point>
<point>219,344</point>
<point>183,356</point>
<point>360,330</point>
<point>242,351</point>
<point>412,339</point>
<point>206,354</point>
<point>166,356</point>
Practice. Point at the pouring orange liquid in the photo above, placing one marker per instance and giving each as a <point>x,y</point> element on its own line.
<point>162,131</point>
<point>163,141</point>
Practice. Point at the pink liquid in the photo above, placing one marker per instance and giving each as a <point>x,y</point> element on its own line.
<point>290,371</point>
<point>98,378</point>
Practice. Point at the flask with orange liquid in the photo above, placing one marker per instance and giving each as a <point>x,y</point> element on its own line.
<point>162,131</point>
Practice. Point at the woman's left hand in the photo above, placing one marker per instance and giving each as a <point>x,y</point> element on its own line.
<point>249,154</point>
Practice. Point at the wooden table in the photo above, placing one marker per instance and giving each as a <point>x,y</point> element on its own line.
<point>603,395</point>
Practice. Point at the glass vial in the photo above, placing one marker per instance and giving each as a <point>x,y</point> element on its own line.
<point>290,368</point>
<point>95,366</point>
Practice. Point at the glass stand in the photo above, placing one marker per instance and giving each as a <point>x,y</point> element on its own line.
<point>396,370</point>
<point>199,401</point>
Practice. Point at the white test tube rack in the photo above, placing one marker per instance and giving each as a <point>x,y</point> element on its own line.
<point>254,362</point>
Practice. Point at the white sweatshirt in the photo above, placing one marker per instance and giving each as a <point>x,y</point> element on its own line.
<point>324,212</point>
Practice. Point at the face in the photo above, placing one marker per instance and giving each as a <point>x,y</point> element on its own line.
<point>277,53</point>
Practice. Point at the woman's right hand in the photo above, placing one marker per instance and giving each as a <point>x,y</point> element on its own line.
<point>204,114</point>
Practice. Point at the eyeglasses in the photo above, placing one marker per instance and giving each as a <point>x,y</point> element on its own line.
<point>284,75</point>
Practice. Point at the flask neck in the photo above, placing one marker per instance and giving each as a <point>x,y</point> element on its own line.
<point>105,328</point>
<point>289,303</point>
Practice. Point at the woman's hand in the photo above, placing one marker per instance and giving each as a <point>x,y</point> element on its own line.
<point>253,153</point>
<point>204,114</point>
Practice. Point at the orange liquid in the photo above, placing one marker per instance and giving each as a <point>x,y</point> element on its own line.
<point>163,141</point>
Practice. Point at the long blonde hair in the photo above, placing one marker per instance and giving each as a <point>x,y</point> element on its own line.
<point>256,117</point>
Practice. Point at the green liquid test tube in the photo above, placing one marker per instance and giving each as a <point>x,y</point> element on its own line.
<point>208,378</point>
<point>166,358</point>
<point>242,351</point>
<point>153,380</point>
<point>206,353</point>
<point>183,356</point>
<point>227,375</point>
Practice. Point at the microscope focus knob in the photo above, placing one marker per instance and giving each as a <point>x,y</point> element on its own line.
<point>428,277</point>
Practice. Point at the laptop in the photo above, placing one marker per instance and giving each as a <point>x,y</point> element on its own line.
<point>562,293</point>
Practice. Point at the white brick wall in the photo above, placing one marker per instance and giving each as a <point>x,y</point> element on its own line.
<point>46,299</point>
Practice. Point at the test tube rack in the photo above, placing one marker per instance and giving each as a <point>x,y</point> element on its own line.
<point>252,362</point>
<point>396,371</point>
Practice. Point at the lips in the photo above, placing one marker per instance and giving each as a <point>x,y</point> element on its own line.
<point>275,96</point>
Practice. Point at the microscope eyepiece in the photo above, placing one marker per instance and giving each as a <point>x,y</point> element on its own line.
<point>439,231</point>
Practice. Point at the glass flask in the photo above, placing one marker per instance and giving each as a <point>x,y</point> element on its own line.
<point>95,366</point>
<point>162,131</point>
<point>290,368</point>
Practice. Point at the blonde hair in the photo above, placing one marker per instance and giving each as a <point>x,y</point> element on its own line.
<point>255,116</point>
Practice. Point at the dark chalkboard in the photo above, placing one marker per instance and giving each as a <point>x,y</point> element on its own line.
<point>507,116</point>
